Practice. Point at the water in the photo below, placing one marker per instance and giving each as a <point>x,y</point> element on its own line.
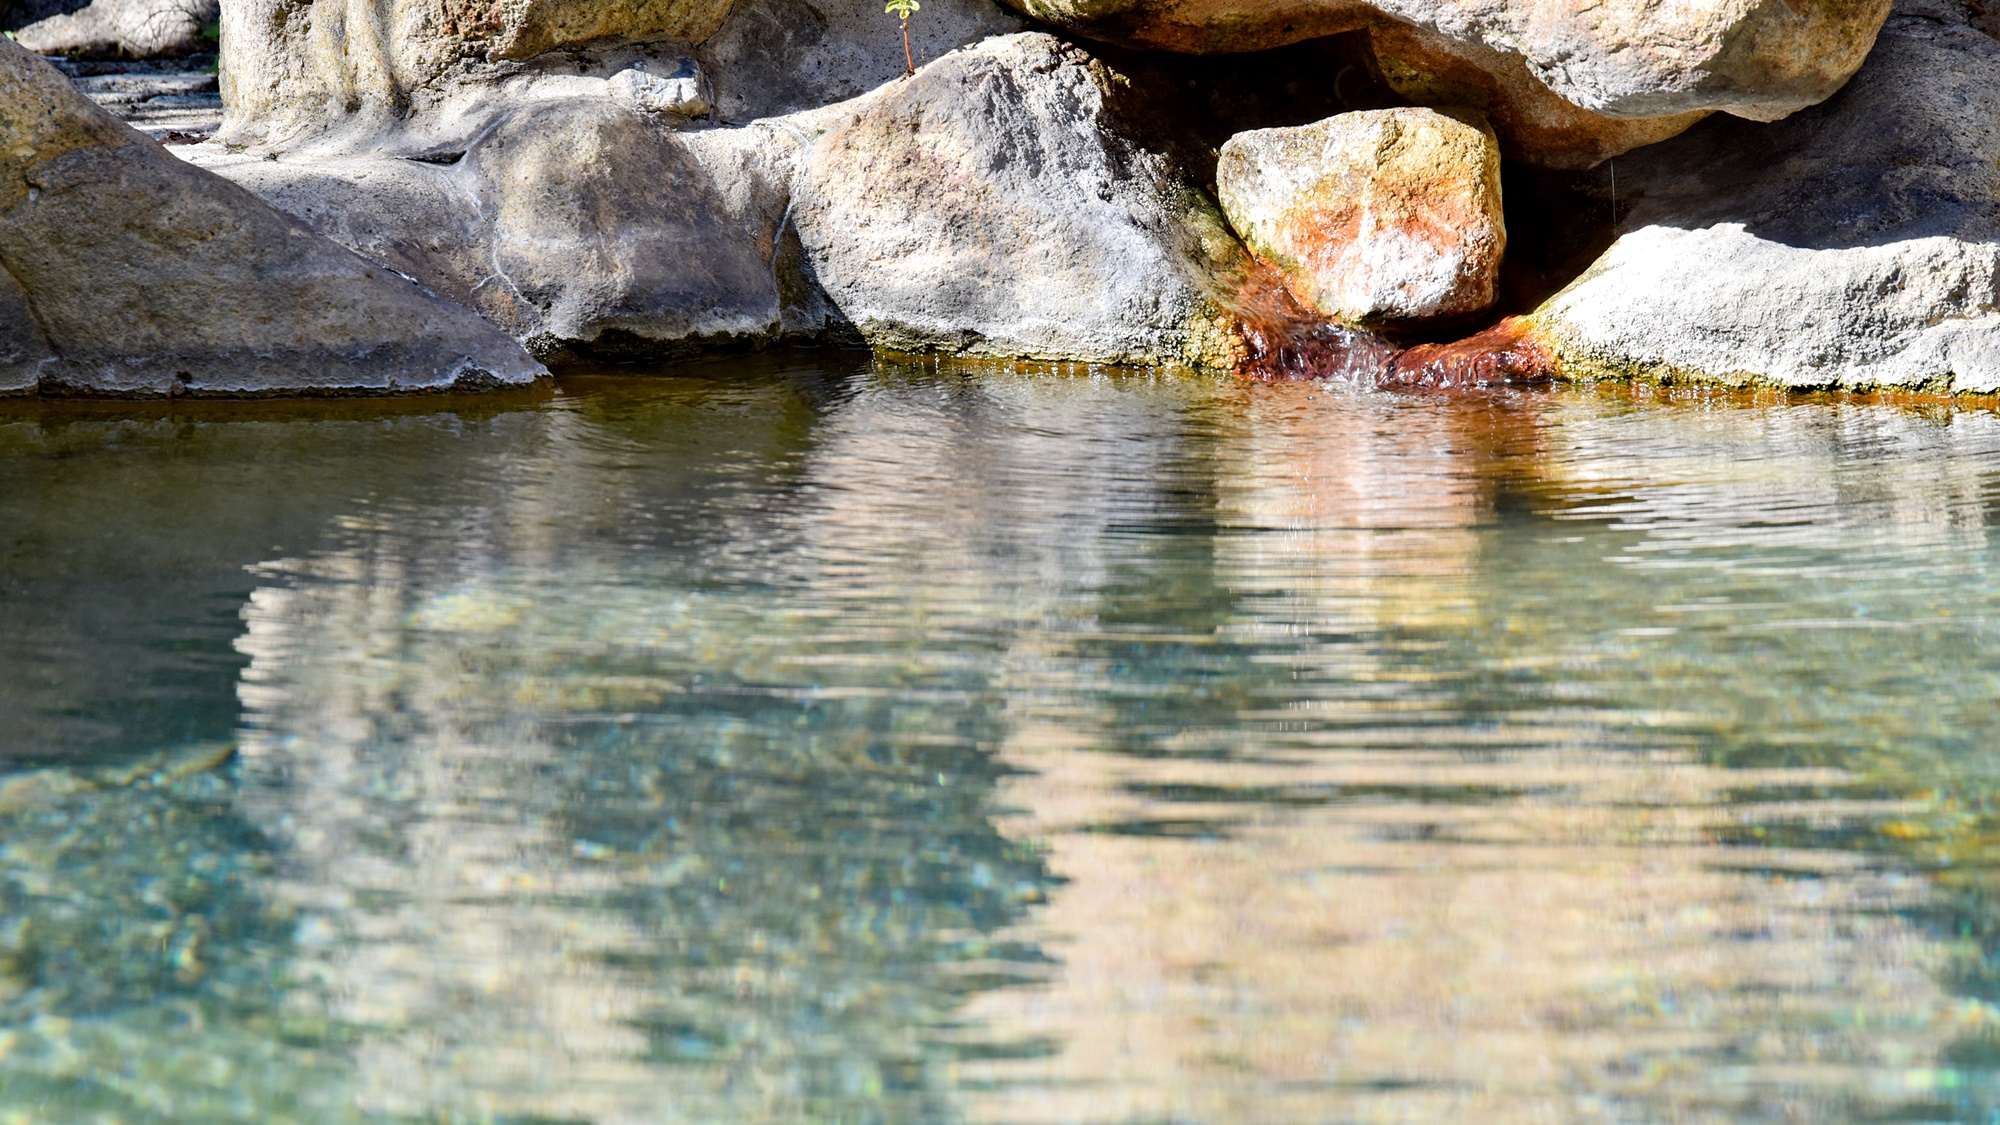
<point>812,741</point>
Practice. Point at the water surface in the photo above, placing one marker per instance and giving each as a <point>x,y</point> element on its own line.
<point>812,740</point>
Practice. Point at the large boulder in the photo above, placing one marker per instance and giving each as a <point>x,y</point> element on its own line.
<point>126,271</point>
<point>1620,60</point>
<point>1855,245</point>
<point>353,76</point>
<point>774,57</point>
<point>1006,202</point>
<point>116,28</point>
<point>582,226</point>
<point>1381,217</point>
<point>357,67</point>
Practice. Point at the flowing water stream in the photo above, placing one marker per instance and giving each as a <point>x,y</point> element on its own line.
<point>812,740</point>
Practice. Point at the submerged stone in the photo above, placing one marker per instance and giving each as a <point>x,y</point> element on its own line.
<point>1385,216</point>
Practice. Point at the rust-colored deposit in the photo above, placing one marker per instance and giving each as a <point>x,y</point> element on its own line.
<point>1507,353</point>
<point>1380,217</point>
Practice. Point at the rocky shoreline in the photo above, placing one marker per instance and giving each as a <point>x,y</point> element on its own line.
<point>1407,191</point>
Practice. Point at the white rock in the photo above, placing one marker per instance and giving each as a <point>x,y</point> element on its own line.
<point>1856,245</point>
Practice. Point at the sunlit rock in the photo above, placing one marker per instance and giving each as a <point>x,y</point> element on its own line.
<point>115,28</point>
<point>130,272</point>
<point>1002,204</point>
<point>1383,216</point>
<point>1622,60</point>
<point>1533,122</point>
<point>350,76</point>
<point>1855,245</point>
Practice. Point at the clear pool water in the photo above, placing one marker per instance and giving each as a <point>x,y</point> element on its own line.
<point>812,740</point>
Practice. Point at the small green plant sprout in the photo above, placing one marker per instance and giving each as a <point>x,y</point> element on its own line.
<point>903,8</point>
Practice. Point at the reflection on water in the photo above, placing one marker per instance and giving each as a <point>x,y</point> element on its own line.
<point>857,744</point>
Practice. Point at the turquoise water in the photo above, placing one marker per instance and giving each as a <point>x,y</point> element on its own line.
<point>812,740</point>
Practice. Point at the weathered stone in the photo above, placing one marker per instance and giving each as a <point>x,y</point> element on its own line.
<point>291,67</point>
<point>773,57</point>
<point>579,225</point>
<point>1855,245</point>
<point>1379,217</point>
<point>1533,124</point>
<point>348,76</point>
<point>117,28</point>
<point>1626,59</point>
<point>138,274</point>
<point>999,205</point>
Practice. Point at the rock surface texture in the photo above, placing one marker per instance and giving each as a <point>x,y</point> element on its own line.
<point>999,204</point>
<point>126,271</point>
<point>1381,217</point>
<point>1622,60</point>
<point>109,29</point>
<point>351,76</point>
<point>1855,245</point>
<point>581,226</point>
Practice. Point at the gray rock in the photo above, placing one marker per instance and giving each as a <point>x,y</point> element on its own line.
<point>1855,245</point>
<point>122,28</point>
<point>157,97</point>
<point>676,88</point>
<point>353,76</point>
<point>347,71</point>
<point>133,273</point>
<point>999,204</point>
<point>580,225</point>
<point>1382,216</point>
<point>773,57</point>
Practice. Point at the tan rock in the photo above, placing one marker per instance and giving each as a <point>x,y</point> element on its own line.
<point>1619,60</point>
<point>1532,123</point>
<point>132,273</point>
<point>1378,217</point>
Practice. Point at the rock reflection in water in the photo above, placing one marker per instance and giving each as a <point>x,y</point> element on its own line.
<point>910,748</point>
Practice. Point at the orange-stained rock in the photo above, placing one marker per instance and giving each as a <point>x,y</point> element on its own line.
<point>1508,352</point>
<point>1378,217</point>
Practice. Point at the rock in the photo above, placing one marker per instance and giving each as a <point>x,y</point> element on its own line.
<point>773,57</point>
<point>158,97</point>
<point>117,28</point>
<point>677,91</point>
<point>1855,245</point>
<point>1380,217</point>
<point>578,225</point>
<point>1001,203</point>
<point>134,273</point>
<point>1621,60</point>
<point>1533,124</point>
<point>356,67</point>
<point>353,76</point>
